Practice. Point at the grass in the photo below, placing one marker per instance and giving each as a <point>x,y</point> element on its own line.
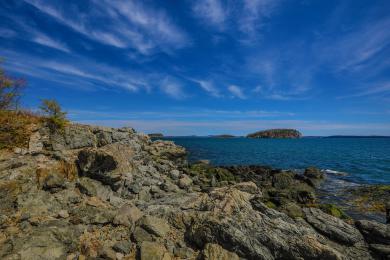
<point>16,128</point>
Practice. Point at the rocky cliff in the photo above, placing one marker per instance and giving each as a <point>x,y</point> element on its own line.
<point>91,192</point>
<point>276,133</point>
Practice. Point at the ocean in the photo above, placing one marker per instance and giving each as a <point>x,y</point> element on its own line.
<point>354,160</point>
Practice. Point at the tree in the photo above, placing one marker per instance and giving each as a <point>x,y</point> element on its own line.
<point>10,90</point>
<point>55,116</point>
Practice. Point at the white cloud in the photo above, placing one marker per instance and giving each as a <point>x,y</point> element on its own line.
<point>236,91</point>
<point>172,88</point>
<point>211,12</point>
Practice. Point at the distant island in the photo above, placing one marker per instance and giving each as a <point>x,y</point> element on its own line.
<point>155,135</point>
<point>276,133</point>
<point>223,136</point>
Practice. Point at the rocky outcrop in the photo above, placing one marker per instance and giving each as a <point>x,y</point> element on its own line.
<point>102,193</point>
<point>276,133</point>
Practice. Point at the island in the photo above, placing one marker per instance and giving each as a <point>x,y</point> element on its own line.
<point>155,135</point>
<point>223,136</point>
<point>276,133</point>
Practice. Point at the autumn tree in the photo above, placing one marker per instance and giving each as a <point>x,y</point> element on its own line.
<point>10,90</point>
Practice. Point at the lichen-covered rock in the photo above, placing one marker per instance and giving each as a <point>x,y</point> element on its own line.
<point>215,251</point>
<point>153,251</point>
<point>332,227</point>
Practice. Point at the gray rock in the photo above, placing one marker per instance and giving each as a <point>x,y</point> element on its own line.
<point>122,247</point>
<point>53,183</point>
<point>91,187</point>
<point>140,235</point>
<point>154,225</point>
<point>175,174</point>
<point>374,232</point>
<point>332,227</point>
<point>153,251</point>
<point>381,251</point>
<point>185,181</point>
<point>127,215</point>
<point>99,165</point>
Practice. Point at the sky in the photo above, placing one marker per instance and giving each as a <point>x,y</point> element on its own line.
<point>205,67</point>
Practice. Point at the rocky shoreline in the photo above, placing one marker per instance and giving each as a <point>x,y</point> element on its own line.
<point>91,192</point>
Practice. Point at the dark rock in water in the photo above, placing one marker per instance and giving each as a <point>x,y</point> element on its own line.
<point>276,133</point>
<point>313,173</point>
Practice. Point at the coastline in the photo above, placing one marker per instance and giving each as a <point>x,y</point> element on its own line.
<point>114,193</point>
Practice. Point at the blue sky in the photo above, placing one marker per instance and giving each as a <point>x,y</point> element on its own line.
<point>206,66</point>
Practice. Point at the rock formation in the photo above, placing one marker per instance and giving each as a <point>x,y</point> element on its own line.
<point>92,192</point>
<point>276,133</point>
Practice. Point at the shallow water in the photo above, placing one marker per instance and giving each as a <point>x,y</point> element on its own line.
<point>357,160</point>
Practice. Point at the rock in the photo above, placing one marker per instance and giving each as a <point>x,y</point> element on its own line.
<point>98,165</point>
<point>153,251</point>
<point>282,180</point>
<point>122,247</point>
<point>63,214</point>
<point>107,253</point>
<point>249,187</point>
<point>154,225</point>
<point>374,232</point>
<point>381,251</point>
<point>215,251</point>
<point>53,183</point>
<point>313,173</point>
<point>91,187</point>
<point>174,174</point>
<point>127,215</point>
<point>185,181</point>
<point>388,212</point>
<point>332,227</point>
<point>140,235</point>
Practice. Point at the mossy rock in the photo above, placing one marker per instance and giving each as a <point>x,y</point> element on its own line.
<point>333,210</point>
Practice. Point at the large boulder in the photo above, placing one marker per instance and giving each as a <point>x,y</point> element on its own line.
<point>374,232</point>
<point>332,227</point>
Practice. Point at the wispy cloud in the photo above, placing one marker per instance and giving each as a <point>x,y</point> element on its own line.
<point>236,91</point>
<point>256,11</point>
<point>380,88</point>
<point>126,24</point>
<point>173,88</point>
<point>212,12</point>
<point>43,39</point>
<point>209,87</point>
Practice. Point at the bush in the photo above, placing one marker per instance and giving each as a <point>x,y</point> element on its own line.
<point>16,128</point>
<point>10,91</point>
<point>55,117</point>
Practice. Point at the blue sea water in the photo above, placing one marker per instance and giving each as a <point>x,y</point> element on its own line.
<point>363,160</point>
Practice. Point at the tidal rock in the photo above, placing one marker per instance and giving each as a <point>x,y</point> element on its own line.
<point>332,227</point>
